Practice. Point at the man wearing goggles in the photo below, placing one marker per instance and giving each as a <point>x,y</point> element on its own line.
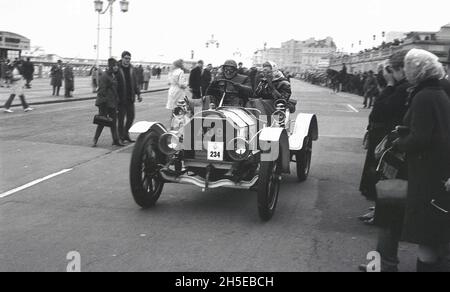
<point>239,90</point>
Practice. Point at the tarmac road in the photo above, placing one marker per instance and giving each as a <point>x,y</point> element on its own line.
<point>87,206</point>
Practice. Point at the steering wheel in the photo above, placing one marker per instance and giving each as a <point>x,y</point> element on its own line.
<point>223,84</point>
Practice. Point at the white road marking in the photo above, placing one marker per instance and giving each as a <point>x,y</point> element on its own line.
<point>33,183</point>
<point>352,108</point>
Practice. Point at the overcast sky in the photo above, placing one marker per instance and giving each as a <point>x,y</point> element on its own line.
<point>171,29</point>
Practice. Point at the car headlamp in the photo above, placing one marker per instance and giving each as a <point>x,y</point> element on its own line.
<point>170,143</point>
<point>238,149</point>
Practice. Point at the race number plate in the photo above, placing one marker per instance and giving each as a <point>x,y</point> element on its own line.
<point>215,151</point>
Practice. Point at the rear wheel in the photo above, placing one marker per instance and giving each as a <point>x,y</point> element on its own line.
<point>268,189</point>
<point>303,158</point>
<point>145,179</point>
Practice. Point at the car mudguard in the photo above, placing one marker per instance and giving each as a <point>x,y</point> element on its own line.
<point>144,127</point>
<point>305,124</point>
<point>277,137</point>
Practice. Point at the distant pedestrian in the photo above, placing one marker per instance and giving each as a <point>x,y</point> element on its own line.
<point>69,81</point>
<point>56,75</point>
<point>147,77</point>
<point>94,78</point>
<point>195,80</point>
<point>3,68</point>
<point>158,73</point>
<point>17,88</point>
<point>370,90</point>
<point>28,72</point>
<point>107,101</point>
<point>140,76</point>
<point>128,89</point>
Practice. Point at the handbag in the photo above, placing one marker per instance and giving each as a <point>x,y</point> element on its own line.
<point>103,121</point>
<point>392,192</point>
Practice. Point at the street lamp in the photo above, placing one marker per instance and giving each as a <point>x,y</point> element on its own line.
<point>98,4</point>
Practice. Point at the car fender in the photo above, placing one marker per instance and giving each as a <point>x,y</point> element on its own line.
<point>279,136</point>
<point>144,127</point>
<point>305,125</point>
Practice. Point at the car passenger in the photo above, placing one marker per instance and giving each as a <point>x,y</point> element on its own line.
<point>272,86</point>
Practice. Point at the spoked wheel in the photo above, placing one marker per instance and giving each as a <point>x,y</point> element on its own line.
<point>268,189</point>
<point>145,179</point>
<point>303,158</point>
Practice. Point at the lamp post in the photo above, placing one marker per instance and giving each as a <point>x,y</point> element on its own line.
<point>99,9</point>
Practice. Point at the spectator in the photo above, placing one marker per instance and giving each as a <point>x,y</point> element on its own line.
<point>388,112</point>
<point>56,75</point>
<point>428,150</point>
<point>370,89</point>
<point>128,89</point>
<point>3,68</point>
<point>195,81</point>
<point>107,101</point>
<point>147,77</point>
<point>158,73</point>
<point>17,87</point>
<point>94,78</point>
<point>28,72</point>
<point>140,76</point>
<point>206,78</point>
<point>241,69</point>
<point>178,85</point>
<point>69,81</point>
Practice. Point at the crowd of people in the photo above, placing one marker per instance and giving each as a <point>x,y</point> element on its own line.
<point>407,167</point>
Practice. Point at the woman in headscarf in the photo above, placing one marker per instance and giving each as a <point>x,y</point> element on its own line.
<point>107,102</point>
<point>428,151</point>
<point>271,86</point>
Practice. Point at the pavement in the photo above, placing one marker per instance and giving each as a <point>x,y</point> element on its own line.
<point>58,195</point>
<point>41,92</point>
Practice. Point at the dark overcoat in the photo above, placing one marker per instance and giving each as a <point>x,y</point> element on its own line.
<point>56,76</point>
<point>107,92</point>
<point>428,154</point>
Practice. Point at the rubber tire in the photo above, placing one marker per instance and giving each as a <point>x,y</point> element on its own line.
<point>266,206</point>
<point>303,158</point>
<point>142,196</point>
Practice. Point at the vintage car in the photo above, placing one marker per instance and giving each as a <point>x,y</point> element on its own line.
<point>223,146</point>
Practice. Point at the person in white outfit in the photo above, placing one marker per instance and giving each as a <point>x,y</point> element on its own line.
<point>17,88</point>
<point>178,85</point>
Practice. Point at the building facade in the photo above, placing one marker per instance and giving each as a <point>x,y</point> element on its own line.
<point>12,45</point>
<point>301,56</point>
<point>436,42</point>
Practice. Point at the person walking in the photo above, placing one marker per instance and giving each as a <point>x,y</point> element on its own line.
<point>69,81</point>
<point>178,85</point>
<point>17,89</point>
<point>107,101</point>
<point>128,89</point>
<point>147,77</point>
<point>195,80</point>
<point>56,75</point>
<point>428,153</point>
<point>28,72</point>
